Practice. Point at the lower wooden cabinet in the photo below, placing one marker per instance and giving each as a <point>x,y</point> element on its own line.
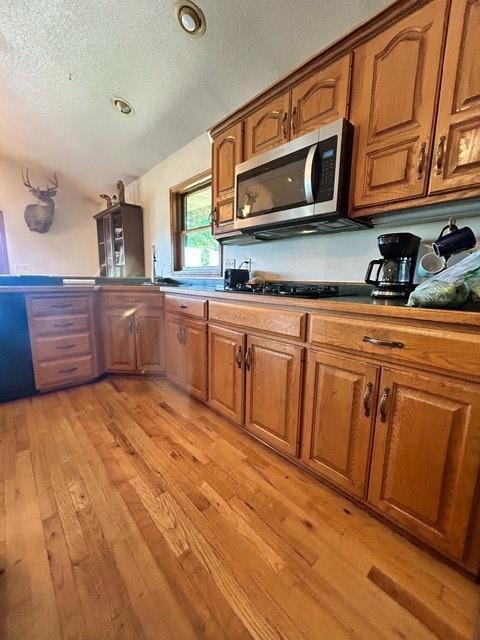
<point>226,393</point>
<point>426,456</point>
<point>273,391</point>
<point>339,414</point>
<point>187,354</point>
<point>133,340</point>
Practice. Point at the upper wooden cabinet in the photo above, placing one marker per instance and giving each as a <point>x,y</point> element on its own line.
<point>456,161</point>
<point>268,127</point>
<point>393,107</point>
<point>321,98</point>
<point>426,456</point>
<point>338,419</point>
<point>226,154</point>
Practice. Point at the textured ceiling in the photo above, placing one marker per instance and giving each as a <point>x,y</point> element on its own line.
<point>62,61</point>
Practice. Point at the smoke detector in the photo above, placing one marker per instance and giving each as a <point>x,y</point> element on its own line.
<point>190,18</point>
<point>123,106</point>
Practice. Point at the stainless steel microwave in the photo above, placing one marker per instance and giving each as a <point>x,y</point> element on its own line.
<point>302,181</point>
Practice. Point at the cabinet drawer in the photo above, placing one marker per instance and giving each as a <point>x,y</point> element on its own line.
<point>60,325</point>
<point>449,350</point>
<point>55,347</point>
<point>186,306</point>
<point>132,300</point>
<point>54,306</point>
<point>61,373</point>
<point>282,322</point>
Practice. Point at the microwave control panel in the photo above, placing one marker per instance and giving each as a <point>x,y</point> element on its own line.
<point>326,163</point>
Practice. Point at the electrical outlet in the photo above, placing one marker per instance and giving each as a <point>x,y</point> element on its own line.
<point>229,263</point>
<point>21,268</point>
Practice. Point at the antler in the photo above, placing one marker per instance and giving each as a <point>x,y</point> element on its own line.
<point>36,190</point>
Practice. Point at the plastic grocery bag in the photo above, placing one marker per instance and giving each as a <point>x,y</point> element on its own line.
<point>450,288</point>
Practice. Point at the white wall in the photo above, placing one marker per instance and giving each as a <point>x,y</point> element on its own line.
<point>338,257</point>
<point>69,247</point>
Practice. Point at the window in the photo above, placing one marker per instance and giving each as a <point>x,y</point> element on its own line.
<point>3,248</point>
<point>195,250</point>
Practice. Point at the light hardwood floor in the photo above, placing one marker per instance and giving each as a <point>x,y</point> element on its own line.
<point>129,511</point>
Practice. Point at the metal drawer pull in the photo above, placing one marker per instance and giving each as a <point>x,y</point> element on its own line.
<point>62,325</point>
<point>184,336</point>
<point>71,370</point>
<point>238,357</point>
<point>182,306</point>
<point>440,155</point>
<point>383,404</point>
<point>248,358</point>
<point>421,160</point>
<point>179,335</point>
<point>131,300</point>
<point>393,344</point>
<point>366,399</point>
<point>66,346</point>
<point>64,305</point>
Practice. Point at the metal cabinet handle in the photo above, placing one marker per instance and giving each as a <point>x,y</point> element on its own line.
<point>421,160</point>
<point>184,336</point>
<point>248,358</point>
<point>132,322</point>
<point>366,399</point>
<point>238,357</point>
<point>63,305</point>
<point>393,344</point>
<point>284,124</point>
<point>439,156</point>
<point>134,300</point>
<point>63,325</point>
<point>293,121</point>
<point>213,217</point>
<point>179,335</point>
<point>137,328</point>
<point>71,370</point>
<point>182,306</point>
<point>383,404</point>
<point>66,346</point>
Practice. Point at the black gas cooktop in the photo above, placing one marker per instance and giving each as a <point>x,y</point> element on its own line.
<point>293,289</point>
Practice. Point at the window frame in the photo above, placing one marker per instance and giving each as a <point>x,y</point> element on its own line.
<point>178,232</point>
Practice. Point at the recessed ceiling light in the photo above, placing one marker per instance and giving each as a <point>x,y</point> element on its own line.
<point>190,18</point>
<point>123,106</point>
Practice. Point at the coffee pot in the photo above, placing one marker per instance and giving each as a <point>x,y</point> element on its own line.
<point>396,270</point>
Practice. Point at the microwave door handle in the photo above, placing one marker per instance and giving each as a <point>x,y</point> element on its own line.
<point>308,176</point>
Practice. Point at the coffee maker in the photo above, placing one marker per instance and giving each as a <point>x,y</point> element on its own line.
<point>396,270</point>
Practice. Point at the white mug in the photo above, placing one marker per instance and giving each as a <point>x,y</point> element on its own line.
<point>430,264</point>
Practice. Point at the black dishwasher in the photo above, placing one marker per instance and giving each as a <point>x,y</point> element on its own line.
<point>16,368</point>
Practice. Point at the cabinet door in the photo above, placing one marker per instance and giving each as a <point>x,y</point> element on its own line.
<point>393,104</point>
<point>195,347</point>
<point>426,456</point>
<point>226,351</point>
<point>273,392</point>
<point>149,326</point>
<point>119,340</point>
<point>338,424</point>
<point>226,154</point>
<point>268,126</point>
<point>175,351</point>
<point>321,98</point>
<point>456,162</point>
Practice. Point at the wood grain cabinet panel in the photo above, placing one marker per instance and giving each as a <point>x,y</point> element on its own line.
<point>426,456</point>
<point>227,152</point>
<point>274,377</point>
<point>456,162</point>
<point>321,98</point>
<point>186,306</point>
<point>175,351</point>
<point>339,414</point>
<point>149,338</point>
<point>268,127</point>
<point>226,352</point>
<point>195,345</point>
<point>393,107</point>
<point>119,340</point>
<point>284,322</point>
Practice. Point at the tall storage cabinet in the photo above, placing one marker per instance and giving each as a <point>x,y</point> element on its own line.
<point>120,241</point>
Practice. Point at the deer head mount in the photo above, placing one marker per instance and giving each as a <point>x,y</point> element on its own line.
<point>39,216</point>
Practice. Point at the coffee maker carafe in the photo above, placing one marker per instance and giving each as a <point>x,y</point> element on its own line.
<point>396,270</point>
